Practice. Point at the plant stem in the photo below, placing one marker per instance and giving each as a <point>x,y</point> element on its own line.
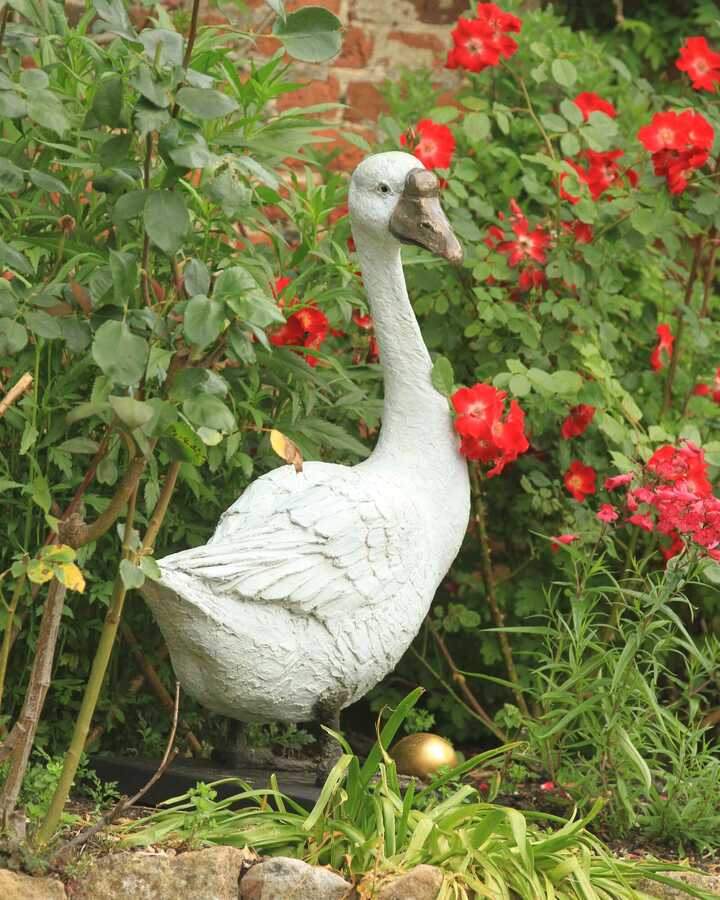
<point>490,593</point>
<point>102,655</point>
<point>675,355</point>
<point>192,34</point>
<point>146,240</point>
<point>34,699</point>
<point>709,273</point>
<point>3,23</point>
<point>461,682</point>
<point>7,634</point>
<point>15,392</point>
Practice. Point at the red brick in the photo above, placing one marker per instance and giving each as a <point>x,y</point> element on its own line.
<point>268,46</point>
<point>440,12</point>
<point>356,50</point>
<point>310,94</point>
<point>364,101</point>
<point>332,5</point>
<point>420,41</point>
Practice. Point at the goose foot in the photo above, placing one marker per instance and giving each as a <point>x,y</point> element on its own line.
<point>238,754</point>
<point>330,751</point>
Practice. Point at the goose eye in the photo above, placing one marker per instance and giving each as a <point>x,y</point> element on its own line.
<point>384,188</point>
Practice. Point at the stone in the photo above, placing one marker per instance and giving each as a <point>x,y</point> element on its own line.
<point>440,12</point>
<point>708,883</point>
<point>211,874</point>
<point>293,879</point>
<point>15,886</point>
<point>416,47</point>
<point>421,883</point>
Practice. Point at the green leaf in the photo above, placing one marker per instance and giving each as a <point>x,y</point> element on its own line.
<point>197,277</point>
<point>167,221</point>
<point>204,318</point>
<point>150,568</point>
<point>12,106</point>
<point>47,183</point>
<point>147,117</point>
<point>569,144</point>
<point>476,126</point>
<point>45,109</point>
<point>162,45</point>
<point>129,206</point>
<point>41,493</point>
<point>443,377</point>
<point>611,427</point>
<point>114,13</point>
<point>519,385</point>
<point>42,324</point>
<point>238,289</point>
<point>553,122</point>
<point>565,382</point>
<point>150,87</point>
<point>189,383</point>
<point>79,445</point>
<point>311,34</point>
<point>644,220</point>
<point>124,270</point>
<point>13,337</point>
<point>14,259</point>
<point>564,72</point>
<point>571,111</point>
<point>209,411</point>
<point>11,177</point>
<point>131,412</point>
<point>132,576</point>
<point>205,103</point>
<point>115,150</point>
<point>182,444</point>
<point>34,79</point>
<point>119,353</point>
<point>108,102</point>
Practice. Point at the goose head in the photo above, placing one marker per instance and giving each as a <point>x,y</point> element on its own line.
<point>393,197</point>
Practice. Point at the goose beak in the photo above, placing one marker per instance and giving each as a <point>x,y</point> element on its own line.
<point>419,219</point>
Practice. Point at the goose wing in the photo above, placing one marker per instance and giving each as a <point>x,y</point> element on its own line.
<point>323,547</point>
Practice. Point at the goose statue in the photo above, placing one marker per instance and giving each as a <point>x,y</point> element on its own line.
<point>314,583</point>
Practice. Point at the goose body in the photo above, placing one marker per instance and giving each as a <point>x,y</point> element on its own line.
<point>315,583</point>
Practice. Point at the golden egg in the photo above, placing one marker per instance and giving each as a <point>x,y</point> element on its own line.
<point>422,754</point>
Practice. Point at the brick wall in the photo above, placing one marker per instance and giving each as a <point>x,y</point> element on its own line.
<point>380,37</point>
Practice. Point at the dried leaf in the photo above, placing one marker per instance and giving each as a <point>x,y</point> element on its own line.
<point>38,572</point>
<point>58,553</point>
<point>286,449</point>
<point>71,577</point>
<point>82,297</point>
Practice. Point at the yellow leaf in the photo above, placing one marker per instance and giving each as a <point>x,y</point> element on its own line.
<point>59,553</point>
<point>71,577</point>
<point>38,572</point>
<point>286,449</point>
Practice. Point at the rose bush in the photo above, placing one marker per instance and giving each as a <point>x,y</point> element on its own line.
<point>588,202</point>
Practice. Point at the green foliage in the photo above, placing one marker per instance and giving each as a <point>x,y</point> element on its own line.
<point>369,826</point>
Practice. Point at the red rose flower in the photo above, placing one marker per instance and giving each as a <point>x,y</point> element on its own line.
<point>527,244</point>
<point>362,321</point>
<point>701,389</point>
<point>433,144</point>
<point>480,43</point>
<point>308,327</point>
<point>607,513</point>
<point>679,143</point>
<point>599,172</point>
<point>615,481</point>
<point>700,63</point>
<point>580,480</point>
<point>530,278</point>
<point>588,102</point>
<point>664,345</point>
<point>560,539</point>
<point>577,421</point>
<point>486,436</point>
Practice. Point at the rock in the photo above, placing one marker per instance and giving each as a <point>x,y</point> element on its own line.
<point>293,879</point>
<point>421,883</point>
<point>708,883</point>
<point>211,874</point>
<point>14,886</point>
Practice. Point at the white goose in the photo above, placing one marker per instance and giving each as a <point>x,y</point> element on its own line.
<point>314,584</point>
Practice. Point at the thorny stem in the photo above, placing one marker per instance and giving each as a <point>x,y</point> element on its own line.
<point>103,653</point>
<point>461,682</point>
<point>675,355</point>
<point>490,593</point>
